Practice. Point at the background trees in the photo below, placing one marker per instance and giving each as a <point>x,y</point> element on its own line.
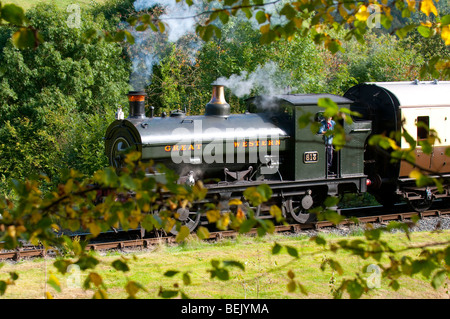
<point>59,93</point>
<point>57,99</point>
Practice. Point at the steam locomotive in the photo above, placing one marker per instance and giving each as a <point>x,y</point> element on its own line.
<point>268,145</point>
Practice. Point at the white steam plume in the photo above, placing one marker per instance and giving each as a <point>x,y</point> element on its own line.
<point>266,79</point>
<point>150,47</point>
<point>178,16</point>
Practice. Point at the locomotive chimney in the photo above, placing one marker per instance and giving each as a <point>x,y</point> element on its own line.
<point>218,106</point>
<point>136,100</point>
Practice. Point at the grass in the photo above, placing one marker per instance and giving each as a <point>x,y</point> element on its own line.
<point>27,4</point>
<point>265,275</point>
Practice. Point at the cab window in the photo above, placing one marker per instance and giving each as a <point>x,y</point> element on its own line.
<point>423,124</point>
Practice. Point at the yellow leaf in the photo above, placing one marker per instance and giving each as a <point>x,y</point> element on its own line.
<point>95,278</point>
<point>132,288</point>
<point>240,215</point>
<point>100,294</point>
<point>36,217</point>
<point>213,215</point>
<point>54,282</point>
<point>265,28</point>
<point>11,231</point>
<point>415,174</point>
<point>203,232</point>
<point>162,26</point>
<point>182,234</point>
<point>362,14</point>
<point>68,187</point>
<point>427,6</point>
<point>235,202</point>
<point>94,228</point>
<point>48,295</point>
<point>411,5</point>
<point>223,222</point>
<point>445,34</point>
<point>393,144</point>
<point>134,223</point>
<point>276,212</point>
<point>342,11</point>
<point>183,203</point>
<point>70,212</point>
<point>172,205</point>
<point>169,223</point>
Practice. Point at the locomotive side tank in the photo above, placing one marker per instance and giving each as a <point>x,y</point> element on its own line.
<point>415,107</point>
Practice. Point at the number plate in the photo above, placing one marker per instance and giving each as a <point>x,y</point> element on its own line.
<point>310,157</point>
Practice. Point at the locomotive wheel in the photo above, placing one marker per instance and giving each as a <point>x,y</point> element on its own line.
<point>420,205</point>
<point>189,218</point>
<point>387,196</point>
<point>298,206</point>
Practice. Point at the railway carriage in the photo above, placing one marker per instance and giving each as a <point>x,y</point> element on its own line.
<point>417,108</point>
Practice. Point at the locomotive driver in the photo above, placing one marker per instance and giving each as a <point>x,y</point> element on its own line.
<point>328,125</point>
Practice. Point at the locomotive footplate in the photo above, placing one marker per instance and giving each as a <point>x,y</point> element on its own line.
<point>332,187</point>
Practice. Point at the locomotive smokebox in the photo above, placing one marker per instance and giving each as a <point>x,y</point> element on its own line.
<point>136,100</point>
<point>218,106</point>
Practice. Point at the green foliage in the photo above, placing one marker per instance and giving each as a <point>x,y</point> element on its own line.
<point>55,109</point>
<point>67,81</point>
<point>132,194</point>
<point>220,268</point>
<point>381,58</point>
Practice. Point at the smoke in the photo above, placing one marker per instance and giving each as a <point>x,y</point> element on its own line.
<point>151,47</point>
<point>179,17</point>
<point>267,79</point>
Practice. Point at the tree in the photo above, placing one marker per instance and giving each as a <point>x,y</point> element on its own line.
<point>34,215</point>
<point>282,19</point>
<point>54,92</point>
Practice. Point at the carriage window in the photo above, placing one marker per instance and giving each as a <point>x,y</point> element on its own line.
<point>423,124</point>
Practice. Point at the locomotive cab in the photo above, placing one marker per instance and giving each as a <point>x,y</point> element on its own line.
<point>307,160</point>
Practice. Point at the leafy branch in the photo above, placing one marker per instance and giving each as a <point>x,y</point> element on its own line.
<point>26,36</point>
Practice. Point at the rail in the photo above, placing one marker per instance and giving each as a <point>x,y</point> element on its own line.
<point>30,251</point>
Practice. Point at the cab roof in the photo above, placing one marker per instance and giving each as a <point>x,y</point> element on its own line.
<point>312,99</point>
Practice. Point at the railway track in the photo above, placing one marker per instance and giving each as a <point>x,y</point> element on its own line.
<point>32,251</point>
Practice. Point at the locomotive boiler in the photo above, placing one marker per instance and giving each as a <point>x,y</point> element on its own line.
<point>231,152</point>
<point>201,147</point>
